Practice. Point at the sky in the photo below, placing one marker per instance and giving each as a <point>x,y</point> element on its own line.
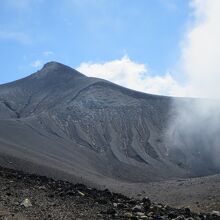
<point>153,46</point>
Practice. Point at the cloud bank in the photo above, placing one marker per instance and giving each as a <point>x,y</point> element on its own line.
<point>132,75</point>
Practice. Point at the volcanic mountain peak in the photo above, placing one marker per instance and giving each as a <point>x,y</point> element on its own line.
<point>54,65</point>
<point>55,69</point>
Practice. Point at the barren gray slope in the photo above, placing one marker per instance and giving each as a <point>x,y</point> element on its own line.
<point>60,123</point>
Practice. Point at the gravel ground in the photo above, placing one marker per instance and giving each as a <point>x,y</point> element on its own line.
<point>200,194</point>
<point>25,196</point>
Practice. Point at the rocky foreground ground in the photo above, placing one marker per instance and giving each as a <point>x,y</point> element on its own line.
<point>24,196</point>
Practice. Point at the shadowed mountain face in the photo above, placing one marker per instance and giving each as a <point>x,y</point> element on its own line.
<point>58,122</point>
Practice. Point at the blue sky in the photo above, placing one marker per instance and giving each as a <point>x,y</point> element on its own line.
<point>167,47</point>
<point>33,32</point>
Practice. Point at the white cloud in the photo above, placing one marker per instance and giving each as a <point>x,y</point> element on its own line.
<point>15,36</point>
<point>201,50</point>
<point>132,75</point>
<point>48,53</point>
<point>37,64</point>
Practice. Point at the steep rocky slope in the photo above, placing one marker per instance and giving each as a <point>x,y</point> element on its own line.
<point>60,123</point>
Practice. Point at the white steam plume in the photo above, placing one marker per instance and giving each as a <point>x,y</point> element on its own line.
<point>194,130</point>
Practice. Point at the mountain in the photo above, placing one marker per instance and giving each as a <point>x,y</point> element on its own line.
<point>59,123</point>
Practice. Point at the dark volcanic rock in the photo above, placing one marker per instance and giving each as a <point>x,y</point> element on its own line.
<point>30,198</point>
